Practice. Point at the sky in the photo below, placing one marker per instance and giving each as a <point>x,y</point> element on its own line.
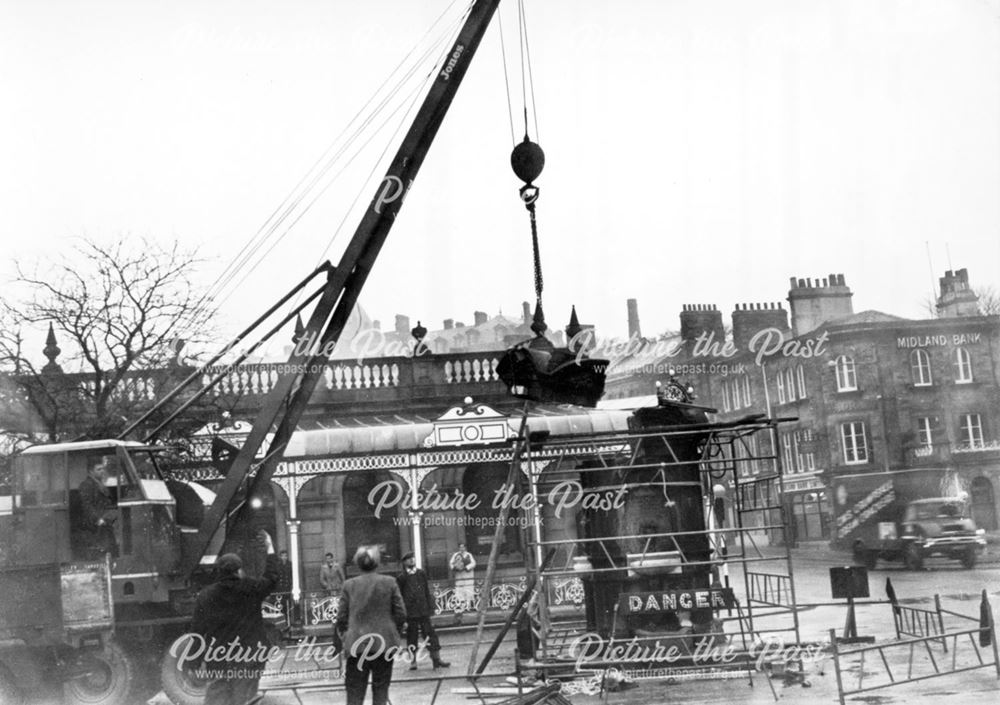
<point>700,151</point>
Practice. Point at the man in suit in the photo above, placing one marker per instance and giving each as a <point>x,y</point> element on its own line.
<point>369,621</point>
<point>331,575</point>
<point>419,608</point>
<point>284,572</point>
<point>97,515</point>
<point>229,610</point>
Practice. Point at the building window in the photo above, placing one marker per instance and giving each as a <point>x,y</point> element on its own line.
<point>725,397</point>
<point>925,435</point>
<point>780,377</point>
<point>800,375</point>
<point>736,395</point>
<point>787,455</point>
<point>971,430</point>
<point>790,383</point>
<point>745,451</point>
<point>920,368</point>
<point>963,366</point>
<point>805,460</point>
<point>747,400</point>
<point>846,379</point>
<point>855,442</point>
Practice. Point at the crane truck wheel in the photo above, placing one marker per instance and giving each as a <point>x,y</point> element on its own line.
<point>179,683</point>
<point>110,678</point>
<point>969,559</point>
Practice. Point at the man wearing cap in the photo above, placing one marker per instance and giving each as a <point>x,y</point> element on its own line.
<point>419,608</point>
<point>229,611</point>
<point>97,513</point>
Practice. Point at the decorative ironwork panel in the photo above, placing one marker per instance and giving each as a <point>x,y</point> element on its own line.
<point>320,608</point>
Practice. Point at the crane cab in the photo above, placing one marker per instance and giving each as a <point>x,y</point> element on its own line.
<point>46,524</point>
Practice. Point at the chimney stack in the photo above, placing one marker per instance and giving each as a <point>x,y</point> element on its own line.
<point>750,319</point>
<point>956,298</point>
<point>698,320</point>
<point>402,326</point>
<point>812,305</point>
<point>480,317</point>
<point>633,319</point>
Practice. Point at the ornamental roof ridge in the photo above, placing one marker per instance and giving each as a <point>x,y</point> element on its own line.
<point>468,424</point>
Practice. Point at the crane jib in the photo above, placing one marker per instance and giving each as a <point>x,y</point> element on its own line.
<point>288,398</point>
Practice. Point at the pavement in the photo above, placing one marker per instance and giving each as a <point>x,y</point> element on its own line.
<point>306,678</point>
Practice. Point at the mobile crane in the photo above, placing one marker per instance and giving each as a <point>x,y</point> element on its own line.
<point>65,617</point>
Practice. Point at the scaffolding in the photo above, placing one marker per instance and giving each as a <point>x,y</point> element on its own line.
<point>671,535</point>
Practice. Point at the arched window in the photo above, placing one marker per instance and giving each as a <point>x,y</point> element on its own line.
<point>963,366</point>
<point>920,368</point>
<point>846,378</point>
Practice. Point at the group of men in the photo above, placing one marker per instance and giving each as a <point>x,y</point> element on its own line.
<point>231,608</point>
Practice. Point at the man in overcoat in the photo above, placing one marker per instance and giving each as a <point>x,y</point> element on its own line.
<point>228,612</point>
<point>369,621</point>
<point>419,608</point>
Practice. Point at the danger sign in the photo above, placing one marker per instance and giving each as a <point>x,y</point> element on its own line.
<point>671,601</point>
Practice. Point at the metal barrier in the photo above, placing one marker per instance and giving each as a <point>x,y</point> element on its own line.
<point>770,589</point>
<point>918,622</point>
<point>967,649</point>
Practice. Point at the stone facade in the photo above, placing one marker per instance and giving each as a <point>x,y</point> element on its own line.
<point>866,392</point>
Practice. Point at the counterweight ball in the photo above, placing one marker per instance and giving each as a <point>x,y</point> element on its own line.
<point>527,160</point>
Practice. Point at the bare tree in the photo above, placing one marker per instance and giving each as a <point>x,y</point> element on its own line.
<point>118,314</point>
<point>989,301</point>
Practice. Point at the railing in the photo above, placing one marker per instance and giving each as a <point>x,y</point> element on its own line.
<point>770,589</point>
<point>459,599</point>
<point>319,608</point>
<point>338,375</point>
<point>919,622</point>
<point>912,659</point>
<point>374,373</point>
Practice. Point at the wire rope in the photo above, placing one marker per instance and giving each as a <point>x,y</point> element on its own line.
<point>296,215</point>
<point>284,210</point>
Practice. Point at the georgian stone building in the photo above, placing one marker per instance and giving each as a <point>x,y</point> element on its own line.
<point>868,392</point>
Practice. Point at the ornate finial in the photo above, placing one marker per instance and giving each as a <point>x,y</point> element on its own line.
<point>299,330</point>
<point>51,351</point>
<point>538,326</point>
<point>419,332</point>
<point>574,328</point>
